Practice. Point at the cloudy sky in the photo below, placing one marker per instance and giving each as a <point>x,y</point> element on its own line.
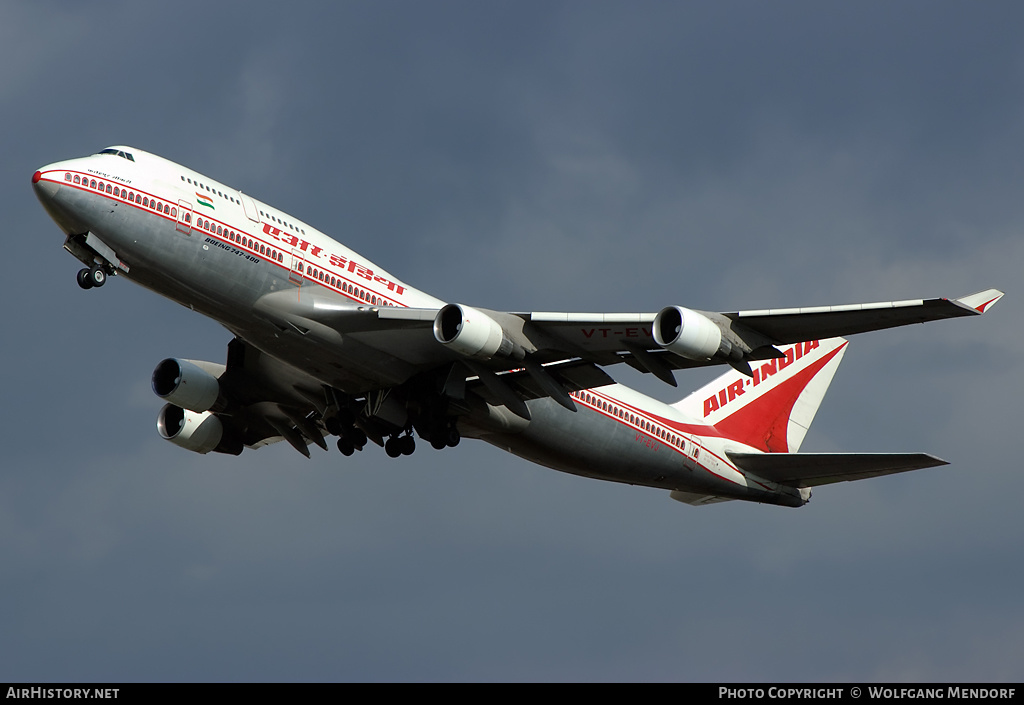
<point>525,156</point>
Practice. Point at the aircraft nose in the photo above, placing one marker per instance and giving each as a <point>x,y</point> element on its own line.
<point>45,189</point>
<point>47,183</point>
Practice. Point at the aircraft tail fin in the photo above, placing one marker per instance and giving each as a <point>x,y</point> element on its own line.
<point>772,409</point>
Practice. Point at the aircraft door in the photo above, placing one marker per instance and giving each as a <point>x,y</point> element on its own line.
<point>249,205</point>
<point>184,217</point>
<point>297,268</point>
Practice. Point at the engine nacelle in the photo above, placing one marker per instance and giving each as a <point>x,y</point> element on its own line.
<point>186,384</point>
<point>199,432</point>
<point>687,333</point>
<point>473,333</point>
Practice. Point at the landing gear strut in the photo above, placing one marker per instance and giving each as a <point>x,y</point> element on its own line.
<point>342,424</point>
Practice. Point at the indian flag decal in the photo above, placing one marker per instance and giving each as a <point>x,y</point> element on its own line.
<point>204,201</point>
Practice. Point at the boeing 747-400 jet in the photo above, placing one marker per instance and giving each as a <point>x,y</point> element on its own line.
<point>326,343</point>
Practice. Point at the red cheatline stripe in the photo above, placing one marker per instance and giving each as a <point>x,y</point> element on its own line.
<point>282,265</point>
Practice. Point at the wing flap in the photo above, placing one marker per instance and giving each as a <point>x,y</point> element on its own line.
<point>571,375</point>
<point>814,469</point>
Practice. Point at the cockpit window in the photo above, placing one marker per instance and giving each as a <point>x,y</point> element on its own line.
<point>118,153</point>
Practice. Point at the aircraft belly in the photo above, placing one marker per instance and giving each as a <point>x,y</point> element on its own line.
<point>590,444</point>
<point>593,445</point>
<point>332,358</point>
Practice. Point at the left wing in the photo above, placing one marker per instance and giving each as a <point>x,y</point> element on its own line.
<point>399,343</point>
<point>667,330</point>
<point>796,324</point>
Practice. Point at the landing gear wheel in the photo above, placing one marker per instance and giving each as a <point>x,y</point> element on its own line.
<point>84,279</point>
<point>453,436</point>
<point>97,277</point>
<point>393,447</point>
<point>407,444</point>
<point>358,438</point>
<point>333,426</point>
<point>346,447</point>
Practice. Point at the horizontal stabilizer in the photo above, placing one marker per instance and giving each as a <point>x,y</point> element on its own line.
<point>814,469</point>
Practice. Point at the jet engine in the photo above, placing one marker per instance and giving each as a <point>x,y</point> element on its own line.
<point>471,332</point>
<point>688,333</point>
<point>187,385</point>
<point>199,432</point>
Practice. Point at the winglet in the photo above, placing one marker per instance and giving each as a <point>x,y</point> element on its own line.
<point>982,301</point>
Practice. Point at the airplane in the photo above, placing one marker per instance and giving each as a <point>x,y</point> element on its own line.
<point>327,343</point>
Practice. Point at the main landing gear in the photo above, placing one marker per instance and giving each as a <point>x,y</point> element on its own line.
<point>399,445</point>
<point>341,420</point>
<point>350,439</point>
<point>353,438</point>
<point>91,277</point>
<point>446,436</point>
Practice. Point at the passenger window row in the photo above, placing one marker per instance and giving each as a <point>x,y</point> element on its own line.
<point>345,287</point>
<point>125,194</point>
<point>229,197</point>
<point>285,223</point>
<point>638,421</point>
<point>240,239</point>
<point>216,192</point>
<point>213,228</point>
